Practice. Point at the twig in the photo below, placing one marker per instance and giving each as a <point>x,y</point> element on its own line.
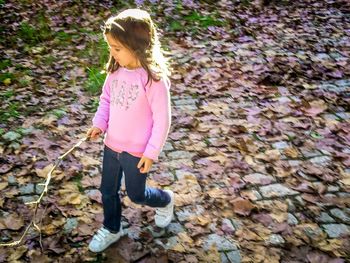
<point>37,202</point>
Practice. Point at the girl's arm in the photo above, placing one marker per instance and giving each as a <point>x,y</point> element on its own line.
<point>158,95</point>
<point>102,114</point>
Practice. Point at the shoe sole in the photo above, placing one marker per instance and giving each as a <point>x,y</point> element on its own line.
<point>172,212</point>
<point>110,243</point>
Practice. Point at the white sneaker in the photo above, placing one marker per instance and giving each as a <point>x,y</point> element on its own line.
<point>103,239</point>
<point>165,214</point>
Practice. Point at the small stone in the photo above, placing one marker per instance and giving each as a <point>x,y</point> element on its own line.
<point>336,230</point>
<point>227,224</point>
<point>234,256</point>
<point>221,243</point>
<point>187,101</point>
<point>336,212</point>
<point>180,155</point>
<point>168,147</point>
<point>305,176</point>
<point>313,231</point>
<point>276,190</point>
<point>333,188</point>
<point>27,189</point>
<point>291,206</point>
<point>11,180</point>
<point>186,213</point>
<point>308,154</point>
<point>175,228</point>
<point>343,115</point>
<point>175,164</point>
<point>70,224</point>
<point>223,258</point>
<point>39,188</point>
<point>294,163</point>
<point>343,194</point>
<point>236,223</point>
<point>29,198</point>
<point>260,179</point>
<point>292,220</point>
<point>321,160</point>
<point>275,239</point>
<point>280,145</point>
<point>325,218</point>
<point>330,116</point>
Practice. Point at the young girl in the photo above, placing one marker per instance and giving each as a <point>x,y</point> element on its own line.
<point>134,112</point>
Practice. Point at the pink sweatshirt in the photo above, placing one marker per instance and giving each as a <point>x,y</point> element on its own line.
<point>135,117</point>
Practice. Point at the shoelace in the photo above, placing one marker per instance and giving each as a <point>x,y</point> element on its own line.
<point>101,234</point>
<point>162,212</point>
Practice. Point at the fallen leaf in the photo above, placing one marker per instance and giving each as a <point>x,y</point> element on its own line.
<point>242,206</point>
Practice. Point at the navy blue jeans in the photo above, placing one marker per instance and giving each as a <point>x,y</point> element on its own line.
<point>113,166</point>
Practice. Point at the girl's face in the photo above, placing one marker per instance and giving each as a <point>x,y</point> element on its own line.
<point>122,54</point>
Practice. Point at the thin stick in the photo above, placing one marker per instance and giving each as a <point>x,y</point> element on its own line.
<point>37,202</point>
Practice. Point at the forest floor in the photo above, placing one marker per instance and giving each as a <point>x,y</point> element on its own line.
<point>258,154</point>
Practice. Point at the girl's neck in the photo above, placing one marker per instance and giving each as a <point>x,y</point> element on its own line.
<point>135,65</point>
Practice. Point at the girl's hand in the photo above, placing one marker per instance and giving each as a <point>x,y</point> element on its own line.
<point>93,133</point>
<point>147,164</point>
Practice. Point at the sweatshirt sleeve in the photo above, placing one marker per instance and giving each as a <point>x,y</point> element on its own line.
<point>101,117</point>
<point>158,95</point>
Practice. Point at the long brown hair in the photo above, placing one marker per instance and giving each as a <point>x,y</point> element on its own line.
<point>135,29</point>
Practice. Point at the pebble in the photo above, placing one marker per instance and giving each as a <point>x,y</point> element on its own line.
<point>29,198</point>
<point>276,190</point>
<point>259,179</point>
<point>70,224</point>
<point>234,256</point>
<point>275,239</point>
<point>325,218</point>
<point>333,188</point>
<point>180,155</point>
<point>175,228</point>
<point>27,189</point>
<point>336,212</point>
<point>336,230</point>
<point>11,180</point>
<point>292,220</point>
<point>280,145</point>
<point>321,160</point>
<point>39,188</point>
<point>168,147</point>
<point>221,243</point>
<point>291,206</point>
<point>228,224</point>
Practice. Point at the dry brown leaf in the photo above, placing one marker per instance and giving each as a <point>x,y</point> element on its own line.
<point>17,253</point>
<point>269,155</point>
<point>215,193</point>
<point>291,152</point>
<point>3,185</point>
<point>44,172</point>
<point>88,161</point>
<point>12,221</point>
<point>53,226</point>
<point>242,206</point>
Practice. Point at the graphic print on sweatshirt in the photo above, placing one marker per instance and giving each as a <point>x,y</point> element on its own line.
<point>123,94</point>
